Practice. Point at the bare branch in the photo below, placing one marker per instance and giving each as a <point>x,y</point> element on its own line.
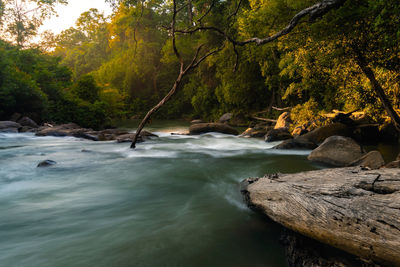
<point>199,20</point>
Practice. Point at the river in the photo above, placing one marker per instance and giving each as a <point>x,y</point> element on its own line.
<point>173,201</point>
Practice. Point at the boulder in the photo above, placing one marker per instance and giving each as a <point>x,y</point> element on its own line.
<point>145,133</point>
<point>128,138</point>
<point>26,121</point>
<point>337,151</point>
<point>225,118</point>
<point>277,135</point>
<point>9,127</point>
<point>296,143</point>
<point>319,135</point>
<point>253,132</point>
<point>46,163</point>
<point>372,160</point>
<point>201,128</point>
<point>284,121</point>
<point>348,208</point>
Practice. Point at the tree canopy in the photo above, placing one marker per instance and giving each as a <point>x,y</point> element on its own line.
<point>312,55</point>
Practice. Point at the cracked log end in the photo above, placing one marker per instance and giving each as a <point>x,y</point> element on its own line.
<point>354,210</point>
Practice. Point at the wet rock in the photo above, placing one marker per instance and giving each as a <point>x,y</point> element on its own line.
<point>284,121</point>
<point>86,136</point>
<point>296,143</point>
<point>277,135</point>
<point>26,121</point>
<point>253,132</point>
<point>348,208</point>
<point>46,163</point>
<point>225,118</point>
<point>337,151</point>
<point>9,127</point>
<point>145,133</point>
<point>372,160</point>
<point>128,138</point>
<point>201,128</point>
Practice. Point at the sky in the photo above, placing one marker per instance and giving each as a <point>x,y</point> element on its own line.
<point>68,14</point>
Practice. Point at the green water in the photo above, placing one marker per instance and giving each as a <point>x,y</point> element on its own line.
<point>174,201</point>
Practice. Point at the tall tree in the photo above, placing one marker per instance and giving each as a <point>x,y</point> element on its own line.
<point>22,18</point>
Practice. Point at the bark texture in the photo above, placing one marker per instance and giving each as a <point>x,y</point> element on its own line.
<point>349,208</point>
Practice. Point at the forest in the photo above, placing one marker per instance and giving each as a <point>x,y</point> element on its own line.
<point>344,58</point>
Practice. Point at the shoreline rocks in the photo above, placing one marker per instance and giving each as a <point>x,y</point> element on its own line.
<point>347,208</point>
<point>9,127</point>
<point>337,151</point>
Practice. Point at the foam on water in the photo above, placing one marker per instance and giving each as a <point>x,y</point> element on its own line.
<point>114,206</point>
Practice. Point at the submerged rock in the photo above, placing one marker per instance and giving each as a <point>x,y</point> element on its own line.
<point>347,208</point>
<point>201,128</point>
<point>46,163</point>
<point>337,151</point>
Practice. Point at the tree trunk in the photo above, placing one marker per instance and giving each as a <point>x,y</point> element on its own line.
<point>348,208</point>
<point>377,89</point>
<point>155,108</point>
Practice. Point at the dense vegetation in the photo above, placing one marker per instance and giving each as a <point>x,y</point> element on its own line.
<point>119,67</point>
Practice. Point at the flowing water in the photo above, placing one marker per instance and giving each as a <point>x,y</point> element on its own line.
<point>173,201</point>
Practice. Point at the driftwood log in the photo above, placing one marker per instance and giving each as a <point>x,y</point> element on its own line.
<point>351,209</point>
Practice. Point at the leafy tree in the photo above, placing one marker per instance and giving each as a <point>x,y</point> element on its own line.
<point>22,18</point>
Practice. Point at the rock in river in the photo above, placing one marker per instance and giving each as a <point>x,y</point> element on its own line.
<point>9,127</point>
<point>337,151</point>
<point>46,163</point>
<point>201,128</point>
<point>348,208</point>
<point>278,135</point>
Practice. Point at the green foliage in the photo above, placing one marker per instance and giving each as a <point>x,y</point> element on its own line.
<point>123,65</point>
<point>86,89</point>
<point>306,112</point>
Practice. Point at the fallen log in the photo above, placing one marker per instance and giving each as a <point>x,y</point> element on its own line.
<point>348,208</point>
